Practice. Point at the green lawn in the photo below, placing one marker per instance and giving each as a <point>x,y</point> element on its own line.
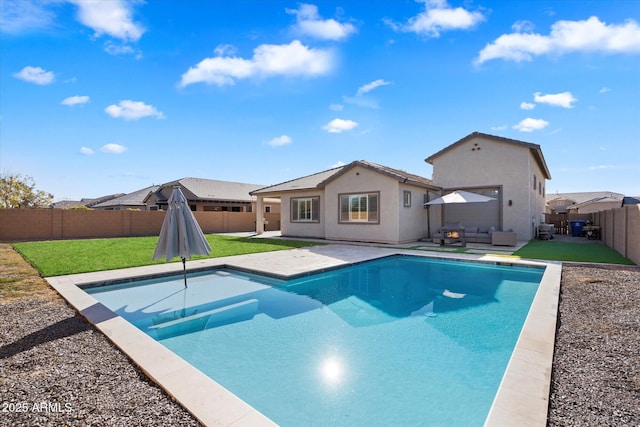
<point>60,257</point>
<point>568,251</point>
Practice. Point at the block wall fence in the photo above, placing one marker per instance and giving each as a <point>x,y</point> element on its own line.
<point>56,224</point>
<point>621,230</point>
<point>620,227</point>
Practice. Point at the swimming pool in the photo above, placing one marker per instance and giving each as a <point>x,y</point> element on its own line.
<point>401,340</point>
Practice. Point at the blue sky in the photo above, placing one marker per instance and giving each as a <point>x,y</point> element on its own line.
<point>108,96</point>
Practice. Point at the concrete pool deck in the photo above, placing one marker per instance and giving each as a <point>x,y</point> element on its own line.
<point>522,398</point>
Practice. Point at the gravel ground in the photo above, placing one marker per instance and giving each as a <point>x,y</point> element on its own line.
<point>596,365</point>
<point>56,369</point>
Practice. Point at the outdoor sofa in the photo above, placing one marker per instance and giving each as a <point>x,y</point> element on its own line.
<point>488,235</point>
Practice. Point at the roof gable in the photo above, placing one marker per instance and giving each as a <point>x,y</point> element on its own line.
<point>535,149</point>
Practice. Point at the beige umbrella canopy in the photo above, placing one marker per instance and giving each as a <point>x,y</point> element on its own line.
<point>180,234</point>
<point>459,196</point>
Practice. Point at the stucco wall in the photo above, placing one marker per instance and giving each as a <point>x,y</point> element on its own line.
<point>487,162</point>
<point>363,180</point>
<point>413,219</point>
<point>302,229</point>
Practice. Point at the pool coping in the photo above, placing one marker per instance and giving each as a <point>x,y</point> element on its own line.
<point>522,398</point>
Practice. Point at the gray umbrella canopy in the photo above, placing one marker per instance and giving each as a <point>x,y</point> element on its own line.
<point>459,196</point>
<point>180,234</point>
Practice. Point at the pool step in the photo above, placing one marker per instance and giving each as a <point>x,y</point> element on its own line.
<point>199,321</point>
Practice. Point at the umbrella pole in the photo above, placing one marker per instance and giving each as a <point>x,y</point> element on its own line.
<point>184,269</point>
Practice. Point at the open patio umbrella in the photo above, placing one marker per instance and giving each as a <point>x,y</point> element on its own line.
<point>180,234</point>
<point>459,196</point>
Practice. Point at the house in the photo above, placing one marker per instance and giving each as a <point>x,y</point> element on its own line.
<point>365,201</point>
<point>585,202</point>
<point>202,194</point>
<point>134,201</point>
<point>84,203</point>
<point>361,201</point>
<point>211,195</point>
<point>511,171</point>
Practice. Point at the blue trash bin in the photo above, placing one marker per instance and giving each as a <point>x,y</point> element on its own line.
<point>576,227</point>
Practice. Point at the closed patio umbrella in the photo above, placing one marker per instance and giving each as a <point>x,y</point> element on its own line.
<point>180,234</point>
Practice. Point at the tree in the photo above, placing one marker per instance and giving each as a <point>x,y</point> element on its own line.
<point>18,191</point>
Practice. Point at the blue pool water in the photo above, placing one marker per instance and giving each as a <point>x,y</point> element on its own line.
<point>397,341</point>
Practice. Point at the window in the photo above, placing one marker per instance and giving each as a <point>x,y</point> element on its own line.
<point>359,207</point>
<point>305,209</point>
<point>534,183</point>
<point>540,187</point>
<point>406,196</point>
<point>267,209</point>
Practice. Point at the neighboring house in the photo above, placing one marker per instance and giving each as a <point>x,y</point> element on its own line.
<point>89,203</point>
<point>513,172</point>
<point>211,195</point>
<point>585,202</point>
<point>364,201</point>
<point>361,201</point>
<point>134,201</point>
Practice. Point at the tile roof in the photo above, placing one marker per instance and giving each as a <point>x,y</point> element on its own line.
<point>211,189</point>
<point>584,197</point>
<point>135,198</point>
<point>67,204</point>
<point>320,179</point>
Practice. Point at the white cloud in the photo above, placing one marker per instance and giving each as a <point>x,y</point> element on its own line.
<point>20,16</point>
<point>527,106</point>
<point>133,110</point>
<point>438,16</point>
<point>523,26</point>
<point>564,99</point>
<point>371,86</point>
<point>113,18</point>
<point>336,107</point>
<point>339,125</point>
<point>35,75</point>
<point>310,24</point>
<point>337,164</point>
<point>501,127</point>
<point>113,148</point>
<point>86,151</point>
<point>75,100</point>
<point>591,35</point>
<point>293,59</point>
<point>529,125</point>
<point>361,101</point>
<point>121,49</point>
<point>605,89</point>
<point>279,141</point>
<point>225,50</point>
